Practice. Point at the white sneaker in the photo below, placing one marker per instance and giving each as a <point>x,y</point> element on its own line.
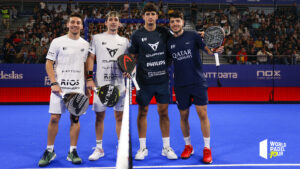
<point>169,153</point>
<point>98,153</point>
<point>141,154</point>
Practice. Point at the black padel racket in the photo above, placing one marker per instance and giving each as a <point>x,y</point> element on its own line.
<point>76,103</point>
<point>108,95</point>
<point>214,37</point>
<point>127,64</point>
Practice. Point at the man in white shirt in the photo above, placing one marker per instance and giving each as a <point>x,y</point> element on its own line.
<point>65,67</point>
<point>107,47</point>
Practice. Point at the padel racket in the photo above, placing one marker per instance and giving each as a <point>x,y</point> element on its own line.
<point>214,37</point>
<point>108,95</point>
<point>76,103</point>
<point>127,64</point>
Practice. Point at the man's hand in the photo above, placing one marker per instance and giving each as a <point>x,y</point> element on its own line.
<point>90,85</point>
<point>56,89</point>
<point>125,74</point>
<point>220,49</point>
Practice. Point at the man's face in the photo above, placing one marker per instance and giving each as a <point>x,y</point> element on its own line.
<point>75,25</point>
<point>150,18</point>
<point>176,24</point>
<point>112,23</point>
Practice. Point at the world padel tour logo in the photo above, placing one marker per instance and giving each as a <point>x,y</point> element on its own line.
<point>271,149</point>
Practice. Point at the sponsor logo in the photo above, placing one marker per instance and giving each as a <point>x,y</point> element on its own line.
<point>112,52</point>
<point>154,46</point>
<point>47,81</point>
<point>103,43</point>
<point>268,74</point>
<point>109,77</point>
<point>82,50</point>
<point>144,39</point>
<point>11,75</point>
<point>108,61</point>
<point>183,54</point>
<point>187,43</point>
<point>154,54</point>
<point>125,60</point>
<point>64,48</point>
<point>159,73</point>
<point>119,44</point>
<point>157,63</point>
<point>70,71</point>
<point>68,82</point>
<point>223,75</point>
<point>271,149</point>
<point>172,46</point>
<point>51,53</point>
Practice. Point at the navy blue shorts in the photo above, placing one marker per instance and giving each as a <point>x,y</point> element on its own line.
<point>186,95</point>
<point>160,91</point>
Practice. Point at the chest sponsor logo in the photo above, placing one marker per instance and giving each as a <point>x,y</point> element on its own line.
<point>112,52</point>
<point>144,39</point>
<point>154,46</point>
<point>103,43</point>
<point>64,48</point>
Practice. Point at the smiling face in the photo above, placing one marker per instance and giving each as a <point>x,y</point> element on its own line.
<point>176,25</point>
<point>75,25</point>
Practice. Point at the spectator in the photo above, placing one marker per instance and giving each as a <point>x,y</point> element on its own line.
<point>258,43</point>
<point>5,17</point>
<point>14,12</point>
<point>194,10</point>
<point>241,57</point>
<point>263,55</point>
<point>252,57</point>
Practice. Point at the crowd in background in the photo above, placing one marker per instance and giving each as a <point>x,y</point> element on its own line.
<point>252,36</point>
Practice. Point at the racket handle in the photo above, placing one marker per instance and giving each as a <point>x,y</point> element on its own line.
<point>137,87</point>
<point>217,59</point>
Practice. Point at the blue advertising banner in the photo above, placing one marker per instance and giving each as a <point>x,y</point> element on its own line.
<point>34,75</point>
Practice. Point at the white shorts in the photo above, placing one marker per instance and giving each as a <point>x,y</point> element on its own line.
<point>99,107</point>
<point>56,105</point>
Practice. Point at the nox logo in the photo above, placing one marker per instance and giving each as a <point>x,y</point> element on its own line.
<point>154,46</point>
<point>112,52</point>
<point>275,148</point>
<point>268,74</point>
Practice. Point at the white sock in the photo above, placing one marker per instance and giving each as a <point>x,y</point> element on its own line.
<point>50,148</point>
<point>166,142</point>
<point>72,148</point>
<point>142,143</point>
<point>99,144</point>
<point>187,140</point>
<point>206,142</point>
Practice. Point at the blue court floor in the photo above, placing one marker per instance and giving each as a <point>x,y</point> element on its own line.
<point>236,133</point>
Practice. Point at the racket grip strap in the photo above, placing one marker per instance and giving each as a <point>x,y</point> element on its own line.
<point>217,59</point>
<point>137,87</point>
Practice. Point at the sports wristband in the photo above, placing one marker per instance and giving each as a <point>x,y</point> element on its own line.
<point>54,83</point>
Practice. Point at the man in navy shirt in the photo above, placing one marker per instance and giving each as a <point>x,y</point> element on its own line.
<point>190,82</point>
<point>149,46</point>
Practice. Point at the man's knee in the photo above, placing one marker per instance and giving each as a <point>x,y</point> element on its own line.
<point>100,116</point>
<point>54,119</point>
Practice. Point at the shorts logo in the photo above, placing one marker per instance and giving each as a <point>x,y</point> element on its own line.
<point>275,149</point>
<point>112,52</point>
<point>154,46</point>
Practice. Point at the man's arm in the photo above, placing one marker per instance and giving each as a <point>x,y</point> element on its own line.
<point>51,74</point>
<point>89,66</point>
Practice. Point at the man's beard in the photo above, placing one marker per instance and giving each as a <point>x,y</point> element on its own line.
<point>150,24</point>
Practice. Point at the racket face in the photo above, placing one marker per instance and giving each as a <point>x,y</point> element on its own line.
<point>108,95</point>
<point>126,63</point>
<point>214,36</point>
<point>76,103</point>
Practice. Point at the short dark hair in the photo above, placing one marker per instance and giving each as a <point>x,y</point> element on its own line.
<point>176,14</point>
<point>149,7</point>
<point>75,15</point>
